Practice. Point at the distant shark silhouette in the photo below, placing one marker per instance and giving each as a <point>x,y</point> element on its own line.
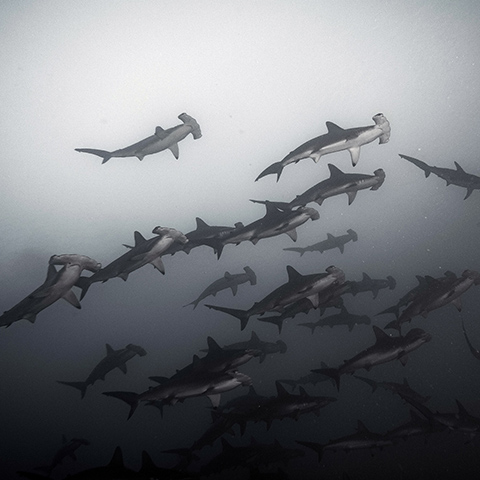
<point>336,140</point>
<point>456,176</point>
<point>330,243</point>
<point>161,140</point>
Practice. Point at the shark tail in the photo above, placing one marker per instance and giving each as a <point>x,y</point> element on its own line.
<point>128,397</point>
<point>317,447</point>
<point>333,373</point>
<point>242,315</point>
<point>100,153</point>
<point>299,250</point>
<point>393,309</point>
<point>310,325</point>
<point>274,169</point>
<point>82,386</point>
<point>278,321</point>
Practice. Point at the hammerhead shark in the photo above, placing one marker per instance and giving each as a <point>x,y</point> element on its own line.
<point>160,140</point>
<point>57,285</point>
<point>337,184</point>
<point>229,280</point>
<point>298,286</point>
<point>330,243</point>
<point>456,176</point>
<point>113,359</point>
<point>336,140</point>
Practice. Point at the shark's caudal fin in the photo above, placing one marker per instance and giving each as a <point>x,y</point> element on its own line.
<point>82,386</point>
<point>128,397</point>
<point>274,168</point>
<point>330,372</point>
<point>100,153</point>
<point>242,315</point>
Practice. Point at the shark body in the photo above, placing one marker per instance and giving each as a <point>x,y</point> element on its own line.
<point>161,140</point>
<point>330,243</point>
<point>336,140</point>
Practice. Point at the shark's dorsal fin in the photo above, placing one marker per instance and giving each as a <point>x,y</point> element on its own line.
<point>461,409</point>
<point>109,349</point>
<point>213,346</point>
<point>334,171</point>
<point>281,391</point>
<point>117,459</point>
<point>139,238</point>
<point>302,392</point>
<point>254,338</point>
<point>123,367</point>
<point>366,277</point>
<point>334,128</point>
<point>459,168</point>
<point>271,208</point>
<point>201,224</point>
<point>228,275</point>
<point>380,335</point>
<point>330,236</point>
<point>292,274</point>
<point>160,132</point>
<point>361,428</point>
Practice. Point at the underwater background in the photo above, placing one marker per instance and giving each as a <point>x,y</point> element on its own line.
<point>260,78</point>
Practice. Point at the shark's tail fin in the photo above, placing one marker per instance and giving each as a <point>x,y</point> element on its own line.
<point>274,168</point>
<point>84,284</point>
<point>299,250</point>
<point>393,309</point>
<point>128,397</point>
<point>317,447</point>
<point>100,153</point>
<point>194,303</point>
<point>278,321</point>
<point>82,386</point>
<point>330,372</point>
<point>392,283</point>
<point>242,315</point>
<point>353,234</point>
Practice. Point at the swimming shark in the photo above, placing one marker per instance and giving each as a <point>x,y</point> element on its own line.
<point>330,243</point>
<point>337,184</point>
<point>475,352</point>
<point>67,449</point>
<point>385,349</point>
<point>298,287</point>
<point>456,176</point>
<point>374,285</point>
<point>361,439</point>
<point>310,378</point>
<point>336,140</point>
<point>231,281</point>
<point>160,140</point>
<point>114,359</point>
<point>342,318</point>
<point>57,285</point>
<point>274,222</point>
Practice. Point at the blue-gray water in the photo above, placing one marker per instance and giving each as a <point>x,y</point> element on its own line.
<point>260,80</point>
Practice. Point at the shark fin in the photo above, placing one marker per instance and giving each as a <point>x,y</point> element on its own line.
<point>334,170</point>
<point>71,298</point>
<point>158,264</point>
<point>123,367</point>
<point>351,196</point>
<point>380,335</point>
<point>334,128</point>
<point>354,154</point>
<point>139,238</point>
<point>234,289</point>
<point>174,149</point>
<point>403,360</point>
<point>215,399</point>
<point>109,349</point>
<point>292,234</point>
<point>293,274</point>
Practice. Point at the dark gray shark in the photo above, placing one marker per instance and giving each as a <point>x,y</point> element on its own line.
<point>374,285</point>
<point>67,449</point>
<point>161,140</point>
<point>311,378</point>
<point>330,243</point>
<point>456,176</point>
<point>114,359</point>
<point>475,352</point>
<point>336,140</point>
<point>57,285</point>
<point>361,439</point>
<point>231,281</point>
<point>385,349</point>
<point>342,318</point>
<point>298,287</point>
<point>274,222</point>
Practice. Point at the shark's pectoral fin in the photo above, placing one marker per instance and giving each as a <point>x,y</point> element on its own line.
<point>234,289</point>
<point>341,248</point>
<point>71,298</point>
<point>158,264</point>
<point>457,303</point>
<point>31,317</point>
<point>314,299</point>
<point>354,154</point>
<point>174,149</point>
<point>292,234</point>
<point>351,196</point>
<point>123,276</point>
<point>123,367</point>
<point>469,192</point>
<point>215,399</point>
<point>403,360</point>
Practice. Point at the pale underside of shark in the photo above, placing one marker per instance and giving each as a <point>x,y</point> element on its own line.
<point>161,140</point>
<point>336,140</point>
